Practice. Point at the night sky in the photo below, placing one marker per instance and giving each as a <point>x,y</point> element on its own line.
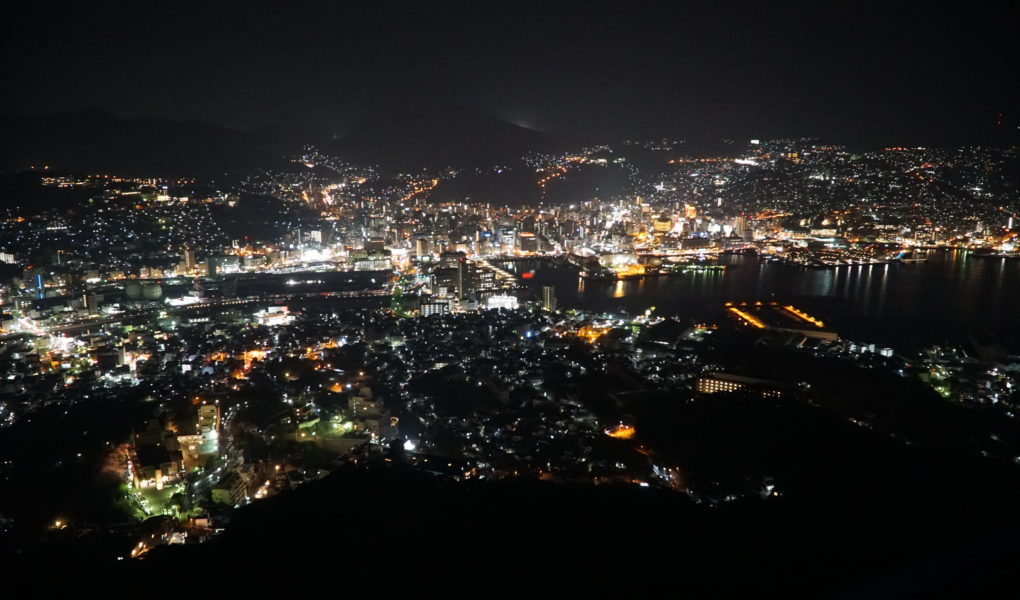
<point>584,69</point>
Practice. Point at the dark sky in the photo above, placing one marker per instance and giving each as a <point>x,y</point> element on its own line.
<point>598,70</point>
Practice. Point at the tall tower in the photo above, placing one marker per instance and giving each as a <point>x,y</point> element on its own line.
<point>189,258</point>
<point>548,297</point>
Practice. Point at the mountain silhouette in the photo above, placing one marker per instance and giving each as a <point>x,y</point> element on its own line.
<point>437,134</point>
<point>91,140</point>
<point>408,137</point>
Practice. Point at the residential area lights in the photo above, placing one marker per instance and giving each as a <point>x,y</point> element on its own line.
<point>338,337</point>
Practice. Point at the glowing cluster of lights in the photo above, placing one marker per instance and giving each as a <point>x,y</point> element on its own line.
<point>748,318</point>
<point>631,270</point>
<point>420,188</point>
<point>804,316</point>
<point>590,333</point>
<point>621,432</point>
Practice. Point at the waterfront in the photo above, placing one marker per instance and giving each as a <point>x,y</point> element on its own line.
<point>948,297</point>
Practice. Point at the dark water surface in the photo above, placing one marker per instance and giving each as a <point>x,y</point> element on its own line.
<point>948,298</point>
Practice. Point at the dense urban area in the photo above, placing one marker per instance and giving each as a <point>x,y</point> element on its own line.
<point>175,350</point>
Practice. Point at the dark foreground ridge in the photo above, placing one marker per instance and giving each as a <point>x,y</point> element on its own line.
<point>913,528</point>
<point>401,530</point>
<point>861,515</point>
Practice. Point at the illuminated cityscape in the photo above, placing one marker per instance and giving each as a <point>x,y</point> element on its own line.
<point>443,341</point>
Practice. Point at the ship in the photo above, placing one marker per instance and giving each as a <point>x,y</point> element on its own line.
<point>910,257</point>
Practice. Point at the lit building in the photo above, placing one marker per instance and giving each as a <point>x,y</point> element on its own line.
<point>727,382</point>
<point>421,246</point>
<point>528,241</point>
<point>548,297</point>
<point>208,418</point>
<point>189,259</point>
<point>230,490</point>
<point>434,308</point>
<point>274,315</point>
<point>212,265</point>
<point>740,226</point>
<point>502,301</point>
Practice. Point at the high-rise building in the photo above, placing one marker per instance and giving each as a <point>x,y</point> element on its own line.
<point>529,243</point>
<point>740,225</point>
<point>209,419</point>
<point>92,302</point>
<point>189,258</point>
<point>212,265</point>
<point>230,287</point>
<point>447,278</point>
<point>548,297</point>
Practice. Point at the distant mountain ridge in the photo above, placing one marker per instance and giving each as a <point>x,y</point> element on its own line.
<point>396,135</point>
<point>437,134</point>
<point>405,138</point>
<point>91,140</point>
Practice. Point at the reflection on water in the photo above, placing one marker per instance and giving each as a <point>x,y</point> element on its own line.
<point>883,279</point>
<point>950,293</point>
